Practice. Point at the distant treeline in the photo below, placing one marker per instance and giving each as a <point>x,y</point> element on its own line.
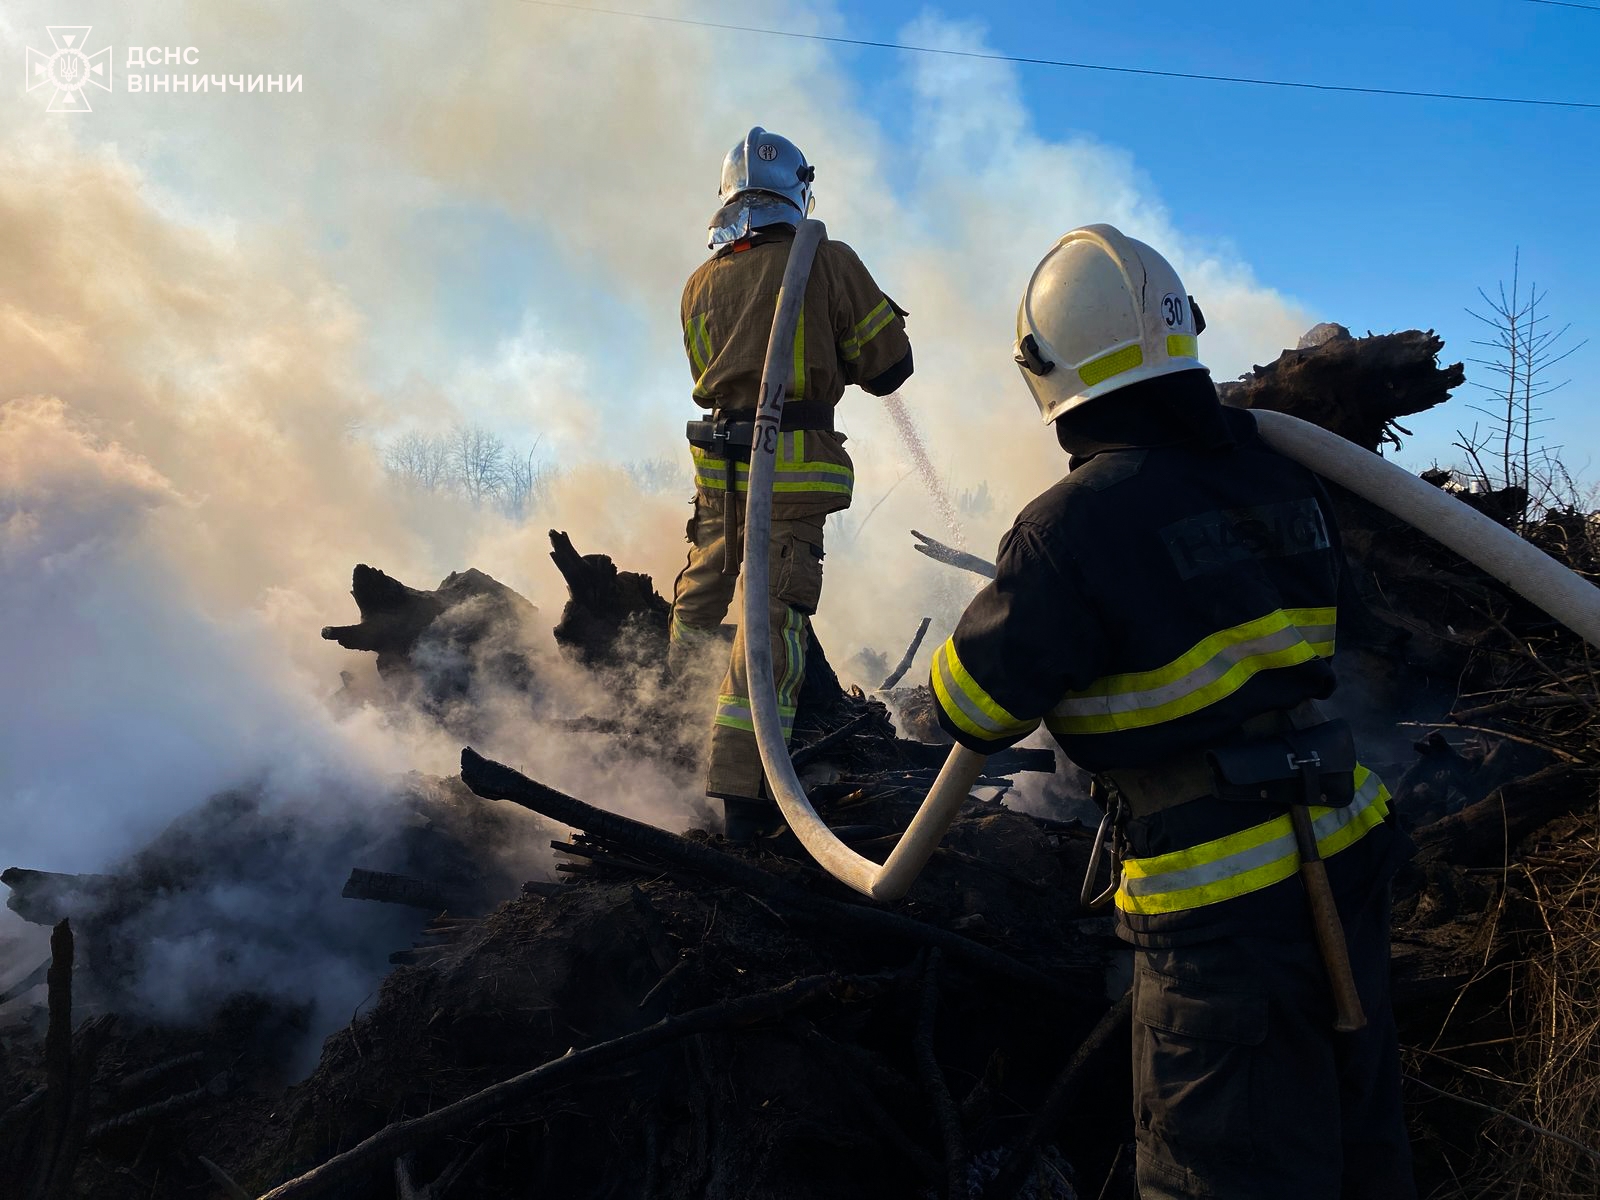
<point>476,465</point>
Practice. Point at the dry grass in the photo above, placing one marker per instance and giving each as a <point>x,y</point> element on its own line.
<point>1529,1098</point>
<point>1517,1094</point>
<point>1558,1052</point>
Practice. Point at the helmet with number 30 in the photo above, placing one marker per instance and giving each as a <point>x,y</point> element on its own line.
<point>1102,311</point>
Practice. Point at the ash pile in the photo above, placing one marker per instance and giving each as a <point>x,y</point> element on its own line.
<point>668,1015</point>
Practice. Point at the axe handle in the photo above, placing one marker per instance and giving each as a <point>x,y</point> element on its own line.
<point>1330,931</point>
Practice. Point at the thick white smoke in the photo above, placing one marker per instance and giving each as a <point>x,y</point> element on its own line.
<point>213,308</point>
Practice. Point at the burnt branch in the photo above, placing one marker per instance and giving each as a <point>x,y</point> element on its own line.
<point>911,653</point>
<point>395,1140</point>
<point>495,781</point>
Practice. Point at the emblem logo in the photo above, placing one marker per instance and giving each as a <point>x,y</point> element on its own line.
<point>69,70</point>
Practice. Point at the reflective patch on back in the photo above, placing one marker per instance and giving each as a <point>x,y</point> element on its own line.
<point>1221,538</point>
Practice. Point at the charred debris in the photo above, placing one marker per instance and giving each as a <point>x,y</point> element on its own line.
<point>673,1016</point>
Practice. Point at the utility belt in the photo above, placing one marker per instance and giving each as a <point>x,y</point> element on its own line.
<point>1268,760</point>
<point>726,430</point>
<point>1285,757</point>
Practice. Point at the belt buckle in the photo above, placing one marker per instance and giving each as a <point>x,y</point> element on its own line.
<point>1311,760</point>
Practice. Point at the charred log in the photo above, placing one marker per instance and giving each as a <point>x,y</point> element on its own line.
<point>497,782</point>
<point>386,887</point>
<point>48,897</point>
<point>1484,834</point>
<point>1355,387</point>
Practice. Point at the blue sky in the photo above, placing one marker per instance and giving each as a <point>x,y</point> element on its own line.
<point>1378,212</point>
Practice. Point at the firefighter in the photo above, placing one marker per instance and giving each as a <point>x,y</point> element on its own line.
<point>1168,610</point>
<point>849,332</point>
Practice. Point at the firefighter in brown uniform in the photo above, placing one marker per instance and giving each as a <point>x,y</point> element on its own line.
<point>849,332</point>
<point>1168,610</point>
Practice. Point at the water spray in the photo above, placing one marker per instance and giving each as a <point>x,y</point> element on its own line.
<point>924,467</point>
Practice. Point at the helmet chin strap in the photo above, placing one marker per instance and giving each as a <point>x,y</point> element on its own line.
<point>893,878</point>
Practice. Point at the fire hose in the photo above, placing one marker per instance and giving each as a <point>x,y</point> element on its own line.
<point>1524,568</point>
<point>1521,566</point>
<point>892,879</point>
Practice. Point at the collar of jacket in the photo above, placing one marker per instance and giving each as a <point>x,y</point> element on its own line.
<point>767,233</point>
<point>1170,410</point>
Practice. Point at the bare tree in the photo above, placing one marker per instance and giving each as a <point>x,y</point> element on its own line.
<point>473,463</point>
<point>477,463</point>
<point>526,483</point>
<point>656,475</point>
<point>1525,346</point>
<point>419,460</point>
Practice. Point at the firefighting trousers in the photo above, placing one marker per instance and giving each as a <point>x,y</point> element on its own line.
<point>705,590</point>
<point>1243,1090</point>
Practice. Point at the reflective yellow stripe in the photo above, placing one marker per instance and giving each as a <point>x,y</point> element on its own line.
<point>831,489</point>
<point>710,473</point>
<point>794,667</point>
<point>794,474</point>
<point>1182,345</point>
<point>966,703</point>
<point>698,341</point>
<point>733,712</point>
<point>1249,860</point>
<point>1216,668</point>
<point>800,356</point>
<point>1097,370</point>
<point>709,460</point>
<point>869,327</point>
<point>705,338</point>
<point>691,342</point>
<point>679,630</point>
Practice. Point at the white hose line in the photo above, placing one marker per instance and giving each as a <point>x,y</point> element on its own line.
<point>893,879</point>
<point>1520,565</point>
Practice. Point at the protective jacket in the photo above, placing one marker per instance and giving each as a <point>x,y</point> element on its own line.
<point>848,332</point>
<point>1144,608</point>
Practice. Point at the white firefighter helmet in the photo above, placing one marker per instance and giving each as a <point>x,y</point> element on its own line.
<point>1102,311</point>
<point>765,181</point>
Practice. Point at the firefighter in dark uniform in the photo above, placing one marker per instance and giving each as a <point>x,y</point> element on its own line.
<point>1168,611</point>
<point>849,332</point>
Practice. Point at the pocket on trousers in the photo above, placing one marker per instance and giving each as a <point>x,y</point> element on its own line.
<point>797,572</point>
<point>1194,1063</point>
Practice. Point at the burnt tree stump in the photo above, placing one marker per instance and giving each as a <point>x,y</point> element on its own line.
<point>1355,387</point>
<point>437,648</point>
<point>611,616</point>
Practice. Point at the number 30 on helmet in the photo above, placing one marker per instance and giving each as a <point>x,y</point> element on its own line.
<point>1102,311</point>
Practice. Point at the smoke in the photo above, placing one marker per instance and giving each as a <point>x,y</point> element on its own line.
<point>214,307</point>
